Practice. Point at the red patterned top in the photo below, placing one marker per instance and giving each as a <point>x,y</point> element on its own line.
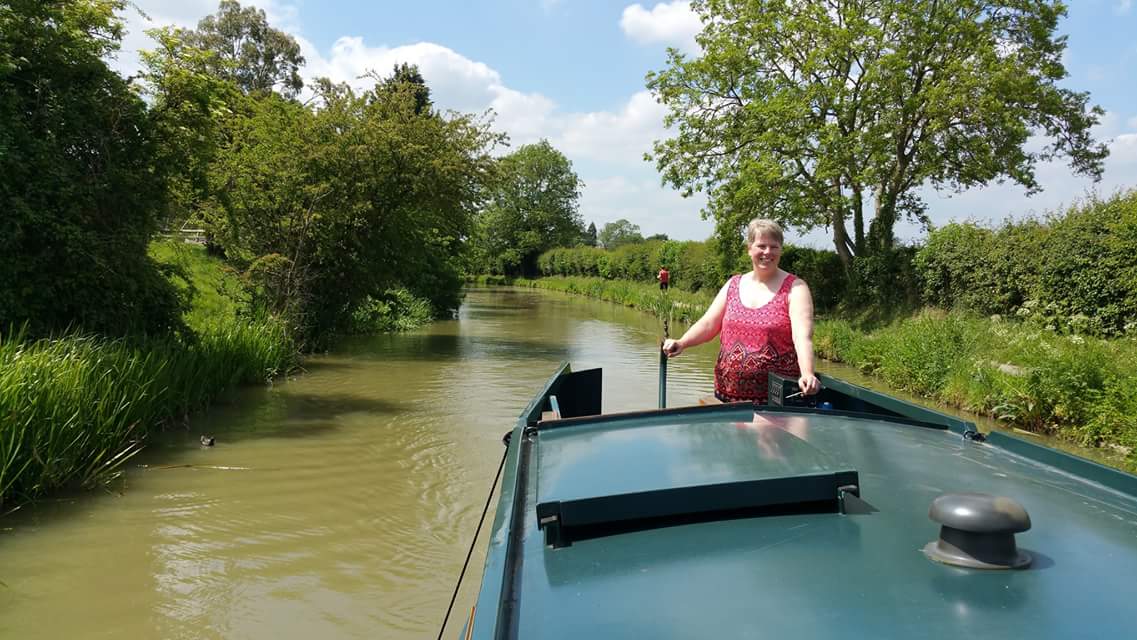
<point>754,341</point>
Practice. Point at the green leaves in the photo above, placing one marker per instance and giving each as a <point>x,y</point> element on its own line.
<point>82,185</point>
<point>247,51</point>
<point>533,208</point>
<point>810,112</point>
<point>330,208</point>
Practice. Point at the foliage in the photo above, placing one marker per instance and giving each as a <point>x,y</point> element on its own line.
<point>191,108</point>
<point>694,266</point>
<point>677,306</point>
<point>215,291</point>
<point>396,310</point>
<point>327,209</point>
<point>247,51</point>
<point>618,233</point>
<point>885,281</point>
<point>533,208</point>
<point>406,77</point>
<point>81,180</point>
<point>1074,272</point>
<point>809,112</point>
<point>822,270</point>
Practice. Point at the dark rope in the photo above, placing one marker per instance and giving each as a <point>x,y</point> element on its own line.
<point>473,542</point>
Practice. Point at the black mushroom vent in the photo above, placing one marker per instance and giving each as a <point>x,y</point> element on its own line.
<point>978,531</point>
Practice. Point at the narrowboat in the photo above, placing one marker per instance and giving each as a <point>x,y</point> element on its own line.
<point>849,514</point>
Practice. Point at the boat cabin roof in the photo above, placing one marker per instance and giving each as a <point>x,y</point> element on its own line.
<point>639,554</point>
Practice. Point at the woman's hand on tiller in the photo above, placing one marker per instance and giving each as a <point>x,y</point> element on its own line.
<point>809,384</point>
<point>672,347</point>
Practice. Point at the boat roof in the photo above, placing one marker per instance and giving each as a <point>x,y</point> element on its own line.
<point>783,571</point>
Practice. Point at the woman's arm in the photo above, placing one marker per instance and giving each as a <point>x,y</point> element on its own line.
<point>705,329</point>
<point>801,324</point>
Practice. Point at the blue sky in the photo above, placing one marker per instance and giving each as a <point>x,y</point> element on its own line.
<point>572,71</point>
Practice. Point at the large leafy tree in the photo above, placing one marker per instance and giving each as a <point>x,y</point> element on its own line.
<point>329,208</point>
<point>590,238</point>
<point>534,208</point>
<point>619,233</point>
<point>822,114</point>
<point>191,108</point>
<point>81,180</point>
<point>255,56</point>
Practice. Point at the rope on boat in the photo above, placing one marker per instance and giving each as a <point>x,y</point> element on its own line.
<point>663,368</point>
<point>485,509</point>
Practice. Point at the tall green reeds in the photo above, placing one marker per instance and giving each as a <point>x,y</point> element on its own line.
<point>1076,387</point>
<point>74,409</point>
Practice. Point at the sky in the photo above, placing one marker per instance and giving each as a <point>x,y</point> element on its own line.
<point>572,72</point>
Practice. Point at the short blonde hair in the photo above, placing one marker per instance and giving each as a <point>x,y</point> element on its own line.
<point>759,227</point>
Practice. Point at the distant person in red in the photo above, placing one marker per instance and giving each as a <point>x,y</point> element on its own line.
<point>663,278</point>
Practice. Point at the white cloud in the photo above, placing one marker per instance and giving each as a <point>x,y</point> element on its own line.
<point>622,136</point>
<point>456,82</point>
<point>1122,7</point>
<point>673,24</point>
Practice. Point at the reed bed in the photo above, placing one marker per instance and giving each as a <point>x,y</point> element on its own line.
<point>74,409</point>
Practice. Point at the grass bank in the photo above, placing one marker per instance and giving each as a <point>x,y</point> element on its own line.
<point>679,306</point>
<point>1074,387</point>
<point>75,408</point>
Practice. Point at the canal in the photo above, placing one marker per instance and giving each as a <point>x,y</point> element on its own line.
<point>336,504</point>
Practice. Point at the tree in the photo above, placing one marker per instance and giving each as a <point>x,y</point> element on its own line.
<point>81,183</point>
<point>619,233</point>
<point>657,236</point>
<point>589,239</point>
<point>808,112</point>
<point>326,209</point>
<point>533,209</point>
<point>248,51</point>
<point>406,77</point>
<point>191,109</point>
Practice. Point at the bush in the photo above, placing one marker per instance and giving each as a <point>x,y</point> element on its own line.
<point>694,266</point>
<point>1075,272</point>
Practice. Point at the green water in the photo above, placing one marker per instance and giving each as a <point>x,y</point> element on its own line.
<point>336,504</point>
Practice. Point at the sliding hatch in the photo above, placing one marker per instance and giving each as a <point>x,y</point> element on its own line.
<point>610,476</point>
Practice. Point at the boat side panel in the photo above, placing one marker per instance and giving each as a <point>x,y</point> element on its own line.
<point>493,572</point>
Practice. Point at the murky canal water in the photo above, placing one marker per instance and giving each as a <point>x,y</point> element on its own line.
<point>337,504</point>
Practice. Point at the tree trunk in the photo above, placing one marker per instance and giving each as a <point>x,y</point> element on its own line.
<point>841,239</point>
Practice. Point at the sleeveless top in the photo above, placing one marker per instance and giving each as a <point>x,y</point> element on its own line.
<point>754,342</point>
